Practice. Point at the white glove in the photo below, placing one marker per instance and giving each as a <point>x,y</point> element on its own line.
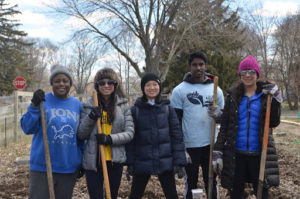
<point>214,111</point>
<point>217,162</point>
<point>273,90</point>
<point>188,158</point>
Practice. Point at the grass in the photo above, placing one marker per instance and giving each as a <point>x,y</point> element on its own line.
<point>290,115</point>
<point>297,142</point>
<point>292,120</point>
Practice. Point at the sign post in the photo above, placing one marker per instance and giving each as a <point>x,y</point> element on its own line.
<point>19,83</point>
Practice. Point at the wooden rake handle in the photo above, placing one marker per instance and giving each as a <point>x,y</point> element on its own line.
<point>47,153</point>
<point>212,141</point>
<point>264,150</point>
<point>102,154</point>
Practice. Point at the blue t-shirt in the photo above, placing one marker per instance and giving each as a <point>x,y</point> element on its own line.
<point>62,119</point>
<point>194,100</point>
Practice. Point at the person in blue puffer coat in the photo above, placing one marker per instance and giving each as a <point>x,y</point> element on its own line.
<point>239,142</point>
<point>157,147</point>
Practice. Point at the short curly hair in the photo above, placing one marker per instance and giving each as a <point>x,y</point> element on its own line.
<point>195,55</point>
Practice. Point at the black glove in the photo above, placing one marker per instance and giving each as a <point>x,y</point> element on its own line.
<point>180,171</point>
<point>80,172</point>
<point>129,172</point>
<point>95,113</point>
<point>38,96</point>
<point>103,139</point>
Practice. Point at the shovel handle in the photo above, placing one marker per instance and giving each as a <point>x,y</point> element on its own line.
<point>47,153</point>
<point>264,150</point>
<point>212,141</point>
<point>102,154</point>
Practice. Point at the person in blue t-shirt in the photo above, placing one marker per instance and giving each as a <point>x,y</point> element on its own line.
<point>62,113</point>
<point>192,102</point>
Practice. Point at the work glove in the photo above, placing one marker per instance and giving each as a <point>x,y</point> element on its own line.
<point>95,113</point>
<point>217,161</point>
<point>80,172</point>
<point>180,171</point>
<point>38,96</point>
<point>103,139</point>
<point>129,172</point>
<point>188,158</point>
<point>214,111</point>
<point>272,89</point>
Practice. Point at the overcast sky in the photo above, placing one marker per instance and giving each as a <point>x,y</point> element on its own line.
<point>38,21</point>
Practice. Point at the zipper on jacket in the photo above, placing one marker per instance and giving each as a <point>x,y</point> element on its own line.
<point>248,123</point>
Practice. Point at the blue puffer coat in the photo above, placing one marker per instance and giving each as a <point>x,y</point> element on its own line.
<point>158,142</point>
<point>227,137</point>
<point>247,138</point>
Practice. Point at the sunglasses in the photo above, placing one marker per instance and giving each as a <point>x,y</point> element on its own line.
<point>250,72</point>
<point>108,82</point>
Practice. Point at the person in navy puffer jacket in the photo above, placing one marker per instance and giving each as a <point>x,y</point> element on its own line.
<point>239,142</point>
<point>157,147</point>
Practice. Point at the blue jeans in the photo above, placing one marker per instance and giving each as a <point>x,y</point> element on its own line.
<point>95,180</point>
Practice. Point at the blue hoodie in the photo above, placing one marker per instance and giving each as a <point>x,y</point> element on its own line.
<point>62,118</point>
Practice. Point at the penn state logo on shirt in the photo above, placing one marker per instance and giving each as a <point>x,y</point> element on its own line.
<point>196,98</point>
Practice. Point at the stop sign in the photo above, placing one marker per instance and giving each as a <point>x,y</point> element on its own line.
<point>19,83</point>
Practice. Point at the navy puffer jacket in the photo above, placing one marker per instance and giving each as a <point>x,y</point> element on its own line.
<point>158,142</point>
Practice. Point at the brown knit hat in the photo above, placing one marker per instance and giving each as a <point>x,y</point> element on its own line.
<point>106,73</point>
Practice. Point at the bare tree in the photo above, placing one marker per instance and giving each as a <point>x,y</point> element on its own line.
<point>123,65</point>
<point>41,55</point>
<point>288,60</point>
<point>262,28</point>
<point>85,55</point>
<point>148,21</point>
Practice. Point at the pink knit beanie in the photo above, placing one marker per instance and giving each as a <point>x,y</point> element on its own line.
<point>249,63</point>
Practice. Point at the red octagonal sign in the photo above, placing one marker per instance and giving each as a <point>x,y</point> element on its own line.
<point>19,83</point>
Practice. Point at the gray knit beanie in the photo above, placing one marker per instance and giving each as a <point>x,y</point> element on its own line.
<point>58,69</point>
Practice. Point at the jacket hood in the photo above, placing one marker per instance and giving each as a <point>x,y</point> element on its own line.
<point>209,78</point>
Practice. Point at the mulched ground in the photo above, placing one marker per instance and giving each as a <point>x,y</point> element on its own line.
<point>14,179</point>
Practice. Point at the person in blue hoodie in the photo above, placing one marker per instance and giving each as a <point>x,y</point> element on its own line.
<point>157,147</point>
<point>62,113</point>
<point>237,152</point>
